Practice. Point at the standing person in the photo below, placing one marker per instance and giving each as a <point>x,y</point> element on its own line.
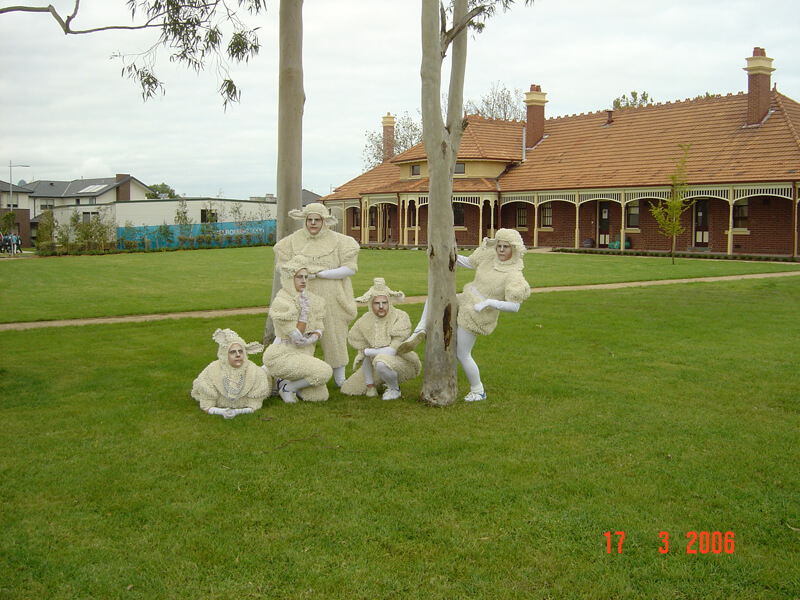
<point>498,286</point>
<point>232,385</point>
<point>297,315</point>
<point>332,260</point>
<point>376,336</point>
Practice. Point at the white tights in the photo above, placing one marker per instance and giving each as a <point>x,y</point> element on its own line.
<point>464,343</point>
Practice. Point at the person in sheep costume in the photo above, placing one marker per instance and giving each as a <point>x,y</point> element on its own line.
<point>332,260</point>
<point>376,336</point>
<point>498,286</point>
<point>297,315</point>
<point>232,385</point>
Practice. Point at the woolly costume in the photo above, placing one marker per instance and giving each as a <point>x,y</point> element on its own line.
<point>222,386</point>
<point>386,334</point>
<point>327,252</point>
<point>495,280</point>
<point>284,358</point>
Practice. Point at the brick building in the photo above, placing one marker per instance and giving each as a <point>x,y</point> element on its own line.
<point>582,180</point>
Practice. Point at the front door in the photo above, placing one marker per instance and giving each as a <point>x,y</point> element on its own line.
<point>701,224</point>
<point>603,220</point>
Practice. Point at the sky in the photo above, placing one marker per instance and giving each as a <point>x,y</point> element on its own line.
<point>66,111</point>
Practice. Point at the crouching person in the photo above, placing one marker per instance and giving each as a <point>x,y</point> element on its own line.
<point>376,336</point>
<point>297,316</point>
<point>232,385</point>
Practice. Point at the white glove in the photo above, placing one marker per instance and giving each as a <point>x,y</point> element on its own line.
<point>308,340</point>
<point>500,305</point>
<point>305,307</point>
<point>296,337</point>
<point>385,350</point>
<point>337,273</point>
<point>227,413</point>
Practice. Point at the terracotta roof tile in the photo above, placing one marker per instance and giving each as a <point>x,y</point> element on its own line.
<point>640,146</point>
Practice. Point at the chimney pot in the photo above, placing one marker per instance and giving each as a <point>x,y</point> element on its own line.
<point>610,117</point>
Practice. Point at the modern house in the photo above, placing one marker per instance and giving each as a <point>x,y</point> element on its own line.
<point>589,179</point>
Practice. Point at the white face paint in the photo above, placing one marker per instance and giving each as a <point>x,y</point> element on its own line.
<point>503,250</point>
<point>301,280</point>
<point>314,223</point>
<point>380,306</point>
<point>236,355</point>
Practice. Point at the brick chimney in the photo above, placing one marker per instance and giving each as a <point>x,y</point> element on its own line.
<point>388,136</point>
<point>758,68</point>
<point>534,128</point>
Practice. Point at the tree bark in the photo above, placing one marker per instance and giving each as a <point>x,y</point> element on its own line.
<point>442,140</point>
<point>291,99</point>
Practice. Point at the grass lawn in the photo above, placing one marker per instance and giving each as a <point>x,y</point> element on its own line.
<point>639,410</point>
<point>69,287</point>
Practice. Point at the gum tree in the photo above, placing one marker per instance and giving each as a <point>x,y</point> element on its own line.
<point>444,30</point>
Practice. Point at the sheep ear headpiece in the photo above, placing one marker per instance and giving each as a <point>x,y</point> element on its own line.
<point>315,208</point>
<point>227,337</point>
<point>379,288</point>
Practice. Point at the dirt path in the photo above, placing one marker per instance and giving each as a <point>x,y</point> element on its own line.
<point>255,310</point>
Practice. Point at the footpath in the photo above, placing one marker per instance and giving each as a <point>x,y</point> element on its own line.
<point>256,310</point>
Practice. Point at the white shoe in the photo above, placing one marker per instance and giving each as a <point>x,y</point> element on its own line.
<point>372,391</point>
<point>286,395</point>
<point>475,397</point>
<point>391,394</point>
<point>411,342</point>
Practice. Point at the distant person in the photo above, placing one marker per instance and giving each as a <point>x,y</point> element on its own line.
<point>332,260</point>
<point>498,286</point>
<point>232,385</point>
<point>376,336</point>
<point>298,317</point>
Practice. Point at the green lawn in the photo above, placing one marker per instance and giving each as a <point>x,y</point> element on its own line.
<point>70,287</point>
<point>639,410</point>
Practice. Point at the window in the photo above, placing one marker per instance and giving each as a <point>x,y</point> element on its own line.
<point>87,216</point>
<point>740,215</point>
<point>414,170</point>
<point>412,214</point>
<point>458,215</point>
<point>522,216</point>
<point>460,169</point>
<point>208,215</point>
<point>373,216</point>
<point>632,214</point>
<point>547,215</point>
<point>356,217</point>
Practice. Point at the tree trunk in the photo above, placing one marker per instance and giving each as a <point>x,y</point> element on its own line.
<point>442,140</point>
<point>291,99</point>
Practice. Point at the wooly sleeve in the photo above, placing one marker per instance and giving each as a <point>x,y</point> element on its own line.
<point>517,289</point>
<point>348,251</point>
<point>481,254</point>
<point>203,389</point>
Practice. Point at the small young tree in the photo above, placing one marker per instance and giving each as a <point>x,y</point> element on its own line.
<point>183,221</point>
<point>164,234</point>
<point>667,213</point>
<point>45,233</point>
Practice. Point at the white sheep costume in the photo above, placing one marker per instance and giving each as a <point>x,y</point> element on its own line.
<point>494,279</point>
<point>327,253</point>
<point>223,386</point>
<point>371,331</point>
<point>284,359</point>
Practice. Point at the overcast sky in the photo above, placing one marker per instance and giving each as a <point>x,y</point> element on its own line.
<point>67,112</point>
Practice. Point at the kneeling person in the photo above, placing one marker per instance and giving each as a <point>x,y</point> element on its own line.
<point>232,385</point>
<point>376,336</point>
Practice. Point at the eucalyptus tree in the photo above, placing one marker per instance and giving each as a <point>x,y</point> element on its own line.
<point>444,31</point>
